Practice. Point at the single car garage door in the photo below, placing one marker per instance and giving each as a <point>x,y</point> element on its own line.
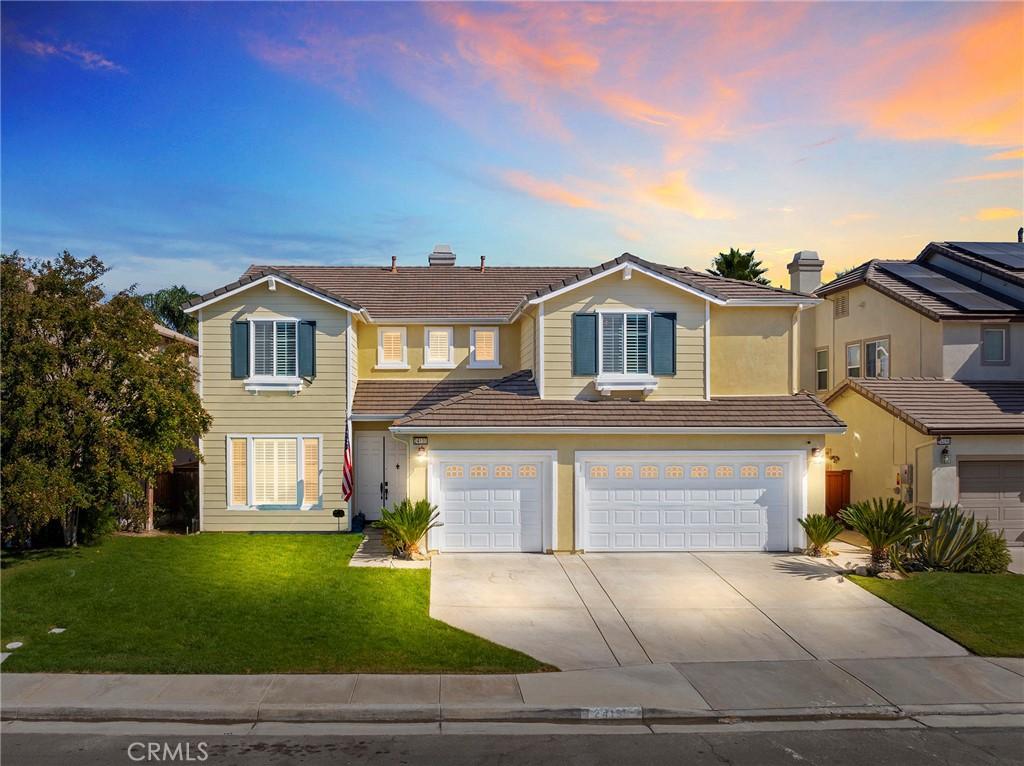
<point>681,501</point>
<point>491,501</point>
<point>993,490</point>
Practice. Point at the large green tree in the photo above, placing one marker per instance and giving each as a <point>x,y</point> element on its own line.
<point>166,305</point>
<point>92,405</point>
<point>738,265</point>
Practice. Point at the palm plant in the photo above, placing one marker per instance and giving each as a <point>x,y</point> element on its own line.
<point>886,525</point>
<point>738,265</point>
<point>406,524</point>
<point>820,530</point>
<point>948,540</point>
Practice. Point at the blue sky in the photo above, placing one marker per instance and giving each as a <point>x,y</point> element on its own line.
<point>181,143</point>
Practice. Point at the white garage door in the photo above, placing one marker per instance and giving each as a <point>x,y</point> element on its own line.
<point>683,501</point>
<point>993,490</point>
<point>494,501</point>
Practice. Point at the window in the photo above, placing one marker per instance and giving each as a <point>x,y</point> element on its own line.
<point>483,347</point>
<point>391,348</point>
<point>648,472</point>
<point>841,306</point>
<point>453,472</point>
<point>502,472</point>
<point>723,472</point>
<point>821,368</point>
<point>773,472</point>
<point>598,472</point>
<point>673,472</point>
<point>527,472</point>
<point>625,343</point>
<point>853,360</point>
<point>274,471</point>
<point>749,472</point>
<point>994,346</point>
<point>699,472</point>
<point>478,472</point>
<point>275,348</point>
<point>437,348</point>
<point>876,358</point>
<point>623,472</point>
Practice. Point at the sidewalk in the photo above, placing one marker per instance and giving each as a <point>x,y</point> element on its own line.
<point>722,692</point>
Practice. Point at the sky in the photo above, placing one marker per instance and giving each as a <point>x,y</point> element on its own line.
<point>182,142</point>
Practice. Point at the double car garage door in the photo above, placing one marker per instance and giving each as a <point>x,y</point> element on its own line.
<point>662,501</point>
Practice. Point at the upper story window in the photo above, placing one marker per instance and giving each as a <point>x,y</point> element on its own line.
<point>625,343</point>
<point>392,351</point>
<point>995,345</point>
<point>853,360</point>
<point>438,349</point>
<point>483,347</point>
<point>876,358</point>
<point>273,354</point>
<point>821,369</point>
<point>275,348</point>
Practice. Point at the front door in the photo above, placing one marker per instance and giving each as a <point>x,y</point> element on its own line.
<point>837,491</point>
<point>380,471</point>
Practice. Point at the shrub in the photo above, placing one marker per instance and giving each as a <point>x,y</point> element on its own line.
<point>886,525</point>
<point>406,524</point>
<point>990,556</point>
<point>949,538</point>
<point>821,530</point>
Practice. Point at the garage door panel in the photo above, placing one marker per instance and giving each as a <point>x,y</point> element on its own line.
<point>993,490</point>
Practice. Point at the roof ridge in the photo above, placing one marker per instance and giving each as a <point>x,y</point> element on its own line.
<point>821,406</point>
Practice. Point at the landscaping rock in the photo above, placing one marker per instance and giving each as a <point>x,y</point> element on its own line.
<point>891,576</point>
<point>14,645</point>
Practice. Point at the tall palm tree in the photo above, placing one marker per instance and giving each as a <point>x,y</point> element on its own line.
<point>738,265</point>
<point>167,306</point>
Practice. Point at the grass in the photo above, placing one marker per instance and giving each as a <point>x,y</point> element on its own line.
<point>231,603</point>
<point>984,613</point>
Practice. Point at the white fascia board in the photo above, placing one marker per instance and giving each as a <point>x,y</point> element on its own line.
<point>282,280</point>
<point>612,431</point>
<point>432,321</point>
<point>800,303</point>
<point>634,267</point>
<point>372,416</point>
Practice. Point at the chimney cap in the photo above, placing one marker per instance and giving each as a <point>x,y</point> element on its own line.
<point>442,255</point>
<point>805,259</point>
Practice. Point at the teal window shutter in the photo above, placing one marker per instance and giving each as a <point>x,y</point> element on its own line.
<point>663,344</point>
<point>584,344</point>
<point>240,350</point>
<point>307,349</point>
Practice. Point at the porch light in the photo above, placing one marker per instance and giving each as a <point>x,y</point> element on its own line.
<point>945,456</point>
<point>421,452</point>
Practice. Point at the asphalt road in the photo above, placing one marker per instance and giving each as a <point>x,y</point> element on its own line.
<point>878,747</point>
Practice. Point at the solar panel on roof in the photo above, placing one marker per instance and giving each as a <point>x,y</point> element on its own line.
<point>1010,255</point>
<point>963,296</point>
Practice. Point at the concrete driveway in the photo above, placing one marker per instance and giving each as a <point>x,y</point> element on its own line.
<point>600,610</point>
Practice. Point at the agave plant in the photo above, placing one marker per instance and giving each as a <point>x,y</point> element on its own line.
<point>821,530</point>
<point>948,540</point>
<point>406,524</point>
<point>886,525</point>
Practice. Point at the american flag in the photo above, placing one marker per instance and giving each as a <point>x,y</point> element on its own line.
<point>347,483</point>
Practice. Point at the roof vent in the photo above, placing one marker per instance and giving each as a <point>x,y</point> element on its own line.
<point>442,256</point>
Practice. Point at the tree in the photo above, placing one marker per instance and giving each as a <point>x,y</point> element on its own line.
<point>738,265</point>
<point>92,405</point>
<point>166,306</point>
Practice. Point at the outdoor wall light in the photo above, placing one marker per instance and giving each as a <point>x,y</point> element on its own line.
<point>946,460</point>
<point>421,452</point>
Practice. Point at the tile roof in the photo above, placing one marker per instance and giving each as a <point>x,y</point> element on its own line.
<point>399,397</point>
<point>256,273</point>
<point>513,403</point>
<point>944,407</point>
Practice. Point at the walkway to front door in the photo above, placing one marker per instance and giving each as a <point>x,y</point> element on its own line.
<point>380,471</point>
<point>608,609</point>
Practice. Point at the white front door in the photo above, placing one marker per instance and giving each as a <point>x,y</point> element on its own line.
<point>380,471</point>
<point>491,501</point>
<point>686,501</point>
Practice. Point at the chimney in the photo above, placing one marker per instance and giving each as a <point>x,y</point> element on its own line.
<point>394,264</point>
<point>483,259</point>
<point>805,271</point>
<point>442,256</point>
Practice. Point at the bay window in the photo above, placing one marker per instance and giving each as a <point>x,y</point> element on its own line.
<point>274,472</point>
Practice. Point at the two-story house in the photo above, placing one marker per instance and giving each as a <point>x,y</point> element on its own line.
<point>630,406</point>
<point>924,360</point>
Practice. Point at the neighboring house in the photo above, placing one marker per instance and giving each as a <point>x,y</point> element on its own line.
<point>629,406</point>
<point>924,360</point>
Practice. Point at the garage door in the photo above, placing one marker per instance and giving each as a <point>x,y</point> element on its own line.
<point>686,501</point>
<point>491,501</point>
<point>993,490</point>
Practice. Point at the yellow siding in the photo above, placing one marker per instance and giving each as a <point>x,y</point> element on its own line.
<point>366,339</point>
<point>751,351</point>
<point>639,292</point>
<point>319,409</point>
<point>567,445</point>
<point>527,331</point>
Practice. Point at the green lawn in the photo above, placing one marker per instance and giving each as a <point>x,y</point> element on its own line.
<point>985,613</point>
<point>231,603</point>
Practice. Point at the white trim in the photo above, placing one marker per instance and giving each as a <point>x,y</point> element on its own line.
<point>540,351</point>
<point>199,441</point>
<point>549,509</point>
<point>801,302</point>
<point>272,381</point>
<point>199,353</point>
<point>266,280</point>
<point>202,505</point>
<point>497,430</point>
<point>439,320</point>
<point>375,416</point>
<point>449,364</point>
<point>300,504</point>
<point>381,364</point>
<point>473,363</point>
<point>607,382</point>
<point>707,350</point>
<point>633,267</point>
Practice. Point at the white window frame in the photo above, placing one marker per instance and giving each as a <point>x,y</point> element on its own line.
<point>473,362</point>
<point>1004,331</point>
<point>818,369</point>
<point>428,363</point>
<point>385,365</point>
<point>860,359</point>
<point>300,472</point>
<point>623,381</point>
<point>272,382</point>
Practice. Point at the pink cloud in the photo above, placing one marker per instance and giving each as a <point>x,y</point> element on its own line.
<point>68,51</point>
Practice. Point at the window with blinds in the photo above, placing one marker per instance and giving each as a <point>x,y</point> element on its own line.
<point>239,458</point>
<point>438,346</point>
<point>484,347</point>
<point>274,464</point>
<point>612,346</point>
<point>275,348</point>
<point>310,471</point>
<point>278,471</point>
<point>625,343</point>
<point>391,347</point>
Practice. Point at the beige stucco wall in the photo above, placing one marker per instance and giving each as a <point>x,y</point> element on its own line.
<point>319,409</point>
<point>567,445</point>
<point>614,292</point>
<point>751,351</point>
<point>945,479</point>
<point>508,352</point>
<point>961,352</point>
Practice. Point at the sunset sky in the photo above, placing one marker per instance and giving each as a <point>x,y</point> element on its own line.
<point>182,142</point>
